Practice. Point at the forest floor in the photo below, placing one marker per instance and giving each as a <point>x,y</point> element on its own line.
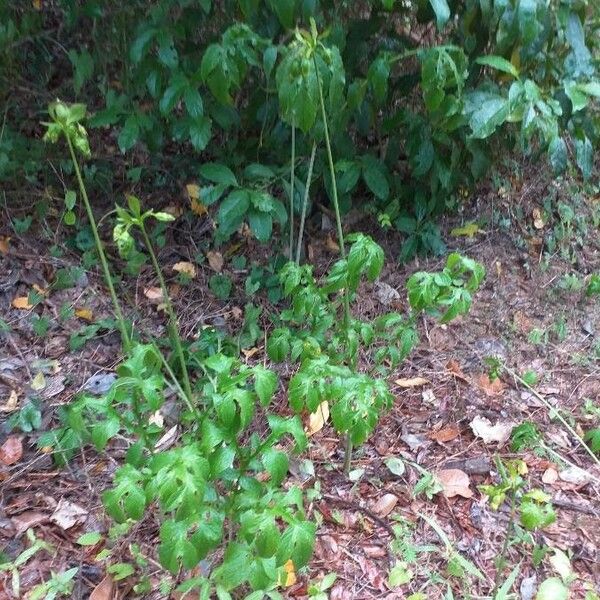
<point>450,417</point>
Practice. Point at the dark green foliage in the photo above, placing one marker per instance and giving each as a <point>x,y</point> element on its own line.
<point>225,81</point>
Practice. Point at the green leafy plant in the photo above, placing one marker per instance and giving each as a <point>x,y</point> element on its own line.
<point>66,122</point>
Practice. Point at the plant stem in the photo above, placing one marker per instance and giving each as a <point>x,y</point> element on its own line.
<point>502,556</point>
<point>170,312</point>
<point>340,233</point>
<point>336,205</point>
<point>311,164</point>
<point>551,408</point>
<point>292,182</point>
<point>125,337</point>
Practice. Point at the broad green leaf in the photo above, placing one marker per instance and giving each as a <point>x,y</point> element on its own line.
<point>265,384</point>
<point>499,63</point>
<point>276,463</point>
<point>557,152</point>
<point>218,173</point>
<point>235,568</point>
<point>584,154</point>
<point>552,589</point>
<point>374,175</point>
<point>200,133</point>
<point>442,12</point>
<point>193,102</point>
<point>491,112</point>
<point>233,210</point>
<point>129,134</point>
<point>297,543</point>
<point>261,225</point>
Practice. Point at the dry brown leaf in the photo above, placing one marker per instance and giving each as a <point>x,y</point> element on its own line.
<point>26,520</point>
<point>491,387</point>
<point>68,514</point>
<point>317,420</point>
<point>489,433</point>
<point>186,268</point>
<point>22,303</point>
<point>84,313</point>
<point>454,368</point>
<point>40,290</point>
<point>4,244</point>
<point>215,261</point>
<point>538,221</point>
<point>104,590</point>
<point>385,505</point>
<point>455,483</point>
<point>12,450</point>
<point>154,294</point>
<point>446,434</point>
<point>175,210</point>
<point>12,402</point>
<point>550,476</point>
<point>193,194</point>
<point>250,352</point>
<point>411,382</point>
<point>332,245</point>
<point>288,577</point>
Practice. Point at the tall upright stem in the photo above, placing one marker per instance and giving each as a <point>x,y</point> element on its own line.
<point>311,164</point>
<point>125,337</point>
<point>336,205</point>
<point>292,182</point>
<point>340,233</point>
<point>170,312</point>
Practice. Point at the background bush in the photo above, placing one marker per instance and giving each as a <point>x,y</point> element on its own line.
<point>422,97</point>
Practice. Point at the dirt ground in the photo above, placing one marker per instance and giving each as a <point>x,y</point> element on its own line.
<point>531,313</point>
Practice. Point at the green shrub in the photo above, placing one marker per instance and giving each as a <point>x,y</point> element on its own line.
<point>412,122</point>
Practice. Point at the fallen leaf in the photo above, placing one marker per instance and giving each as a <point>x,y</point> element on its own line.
<point>68,514</point>
<point>454,368</point>
<point>538,221</point>
<point>429,397</point>
<point>4,242</point>
<point>37,4</point>
<point>332,245</point>
<point>26,520</point>
<point>84,313</point>
<point>575,475</point>
<point>561,564</point>
<point>12,402</point>
<point>12,450</point>
<point>385,505</point>
<point>104,590</point>
<point>215,261</point>
<point>186,268</point>
<point>386,294</point>
<point>250,352</point>
<point>468,230</point>
<point>395,465</point>
<point>193,193</point>
<point>455,483</point>
<point>157,419</point>
<point>167,440</point>
<point>175,210</point>
<point>289,574</point>
<point>491,387</point>
<point>411,382</point>
<point>22,303</point>
<point>40,290</point>
<point>38,382</point>
<point>154,294</point>
<point>317,420</point>
<point>446,434</point>
<point>489,433</point>
<point>550,476</point>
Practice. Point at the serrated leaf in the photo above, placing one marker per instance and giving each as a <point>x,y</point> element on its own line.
<point>218,173</point>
